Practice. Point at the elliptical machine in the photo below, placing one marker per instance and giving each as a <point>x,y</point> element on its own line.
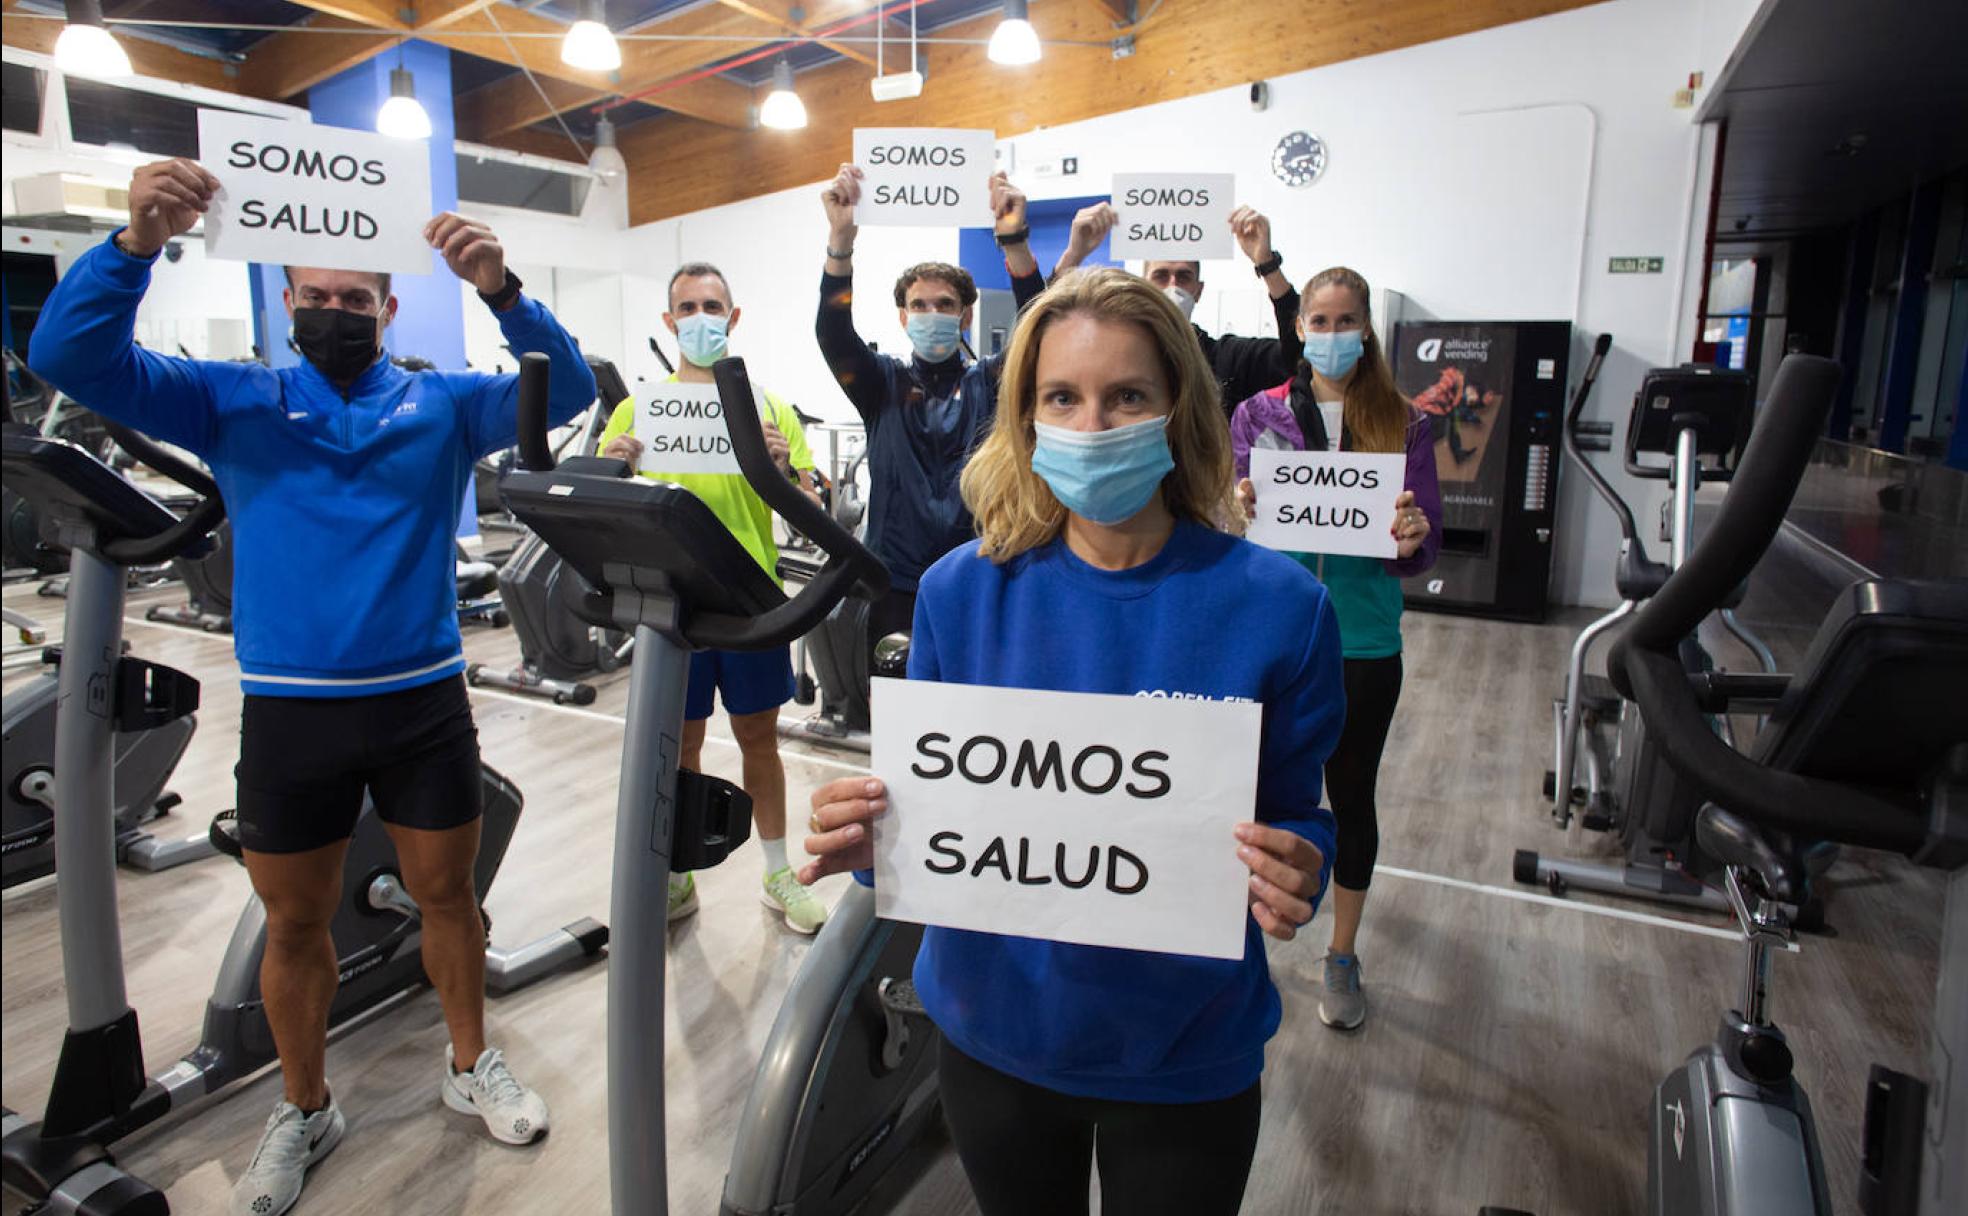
<point>1697,417</point>
<point>100,1093</point>
<point>659,562</point>
<point>1862,747</point>
<point>838,650</point>
<point>558,650</point>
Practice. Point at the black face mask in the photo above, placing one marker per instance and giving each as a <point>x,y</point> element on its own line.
<point>341,344</point>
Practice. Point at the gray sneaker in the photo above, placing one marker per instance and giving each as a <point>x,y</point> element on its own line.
<point>1343,1007</point>
<point>291,1143</point>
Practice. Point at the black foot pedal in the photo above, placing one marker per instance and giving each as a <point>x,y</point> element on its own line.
<point>899,996</point>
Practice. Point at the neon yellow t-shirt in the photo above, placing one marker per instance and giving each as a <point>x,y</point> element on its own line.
<point>728,495</point>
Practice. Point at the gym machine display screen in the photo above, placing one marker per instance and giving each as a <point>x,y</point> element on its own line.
<point>1494,394</point>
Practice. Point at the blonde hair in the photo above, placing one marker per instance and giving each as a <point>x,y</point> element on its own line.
<point>1014,508</point>
<point>1375,414</point>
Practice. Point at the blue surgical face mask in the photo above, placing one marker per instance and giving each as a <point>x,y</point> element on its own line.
<point>1333,354</point>
<point>700,336</point>
<point>1103,476</point>
<point>934,335</point>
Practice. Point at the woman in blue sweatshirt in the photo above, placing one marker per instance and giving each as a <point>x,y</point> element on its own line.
<point>1100,569</point>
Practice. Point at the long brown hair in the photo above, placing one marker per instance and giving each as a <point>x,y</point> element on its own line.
<point>1014,508</point>
<point>1375,416</point>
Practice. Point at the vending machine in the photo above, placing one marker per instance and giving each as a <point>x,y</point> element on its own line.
<point>1494,394</point>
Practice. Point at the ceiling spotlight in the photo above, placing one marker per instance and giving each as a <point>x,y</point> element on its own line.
<point>783,110</point>
<point>1014,43</point>
<point>589,43</point>
<point>85,46</point>
<point>606,159</point>
<point>402,116</point>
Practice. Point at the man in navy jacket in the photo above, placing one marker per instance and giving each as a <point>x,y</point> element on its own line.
<point>343,477</point>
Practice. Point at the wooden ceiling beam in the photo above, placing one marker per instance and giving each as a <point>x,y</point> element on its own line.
<point>436,14</point>
<point>155,60</point>
<point>1188,50</point>
<point>779,13</point>
<point>379,14</point>
<point>281,65</point>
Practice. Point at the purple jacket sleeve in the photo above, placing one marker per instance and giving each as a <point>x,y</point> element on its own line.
<point>1428,496</point>
<point>1243,433</point>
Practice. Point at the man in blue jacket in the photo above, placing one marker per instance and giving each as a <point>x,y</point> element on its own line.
<point>343,478</point>
<point>923,415</point>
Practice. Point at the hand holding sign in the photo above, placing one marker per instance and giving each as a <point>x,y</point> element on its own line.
<point>1090,227</point>
<point>166,199</point>
<point>1007,204</point>
<point>840,198</point>
<point>1411,525</point>
<point>840,840</point>
<point>1284,868</point>
<point>469,249</point>
<point>1253,232</point>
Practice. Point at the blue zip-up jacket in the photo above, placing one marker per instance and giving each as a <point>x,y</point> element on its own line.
<point>1210,617</point>
<point>344,506</point>
<point>923,420</point>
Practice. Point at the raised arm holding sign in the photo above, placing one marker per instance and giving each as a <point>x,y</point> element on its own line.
<point>342,474</point>
<point>924,414</point>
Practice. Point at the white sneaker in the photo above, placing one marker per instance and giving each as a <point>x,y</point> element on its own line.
<point>513,1113</point>
<point>291,1143</point>
<point>783,894</point>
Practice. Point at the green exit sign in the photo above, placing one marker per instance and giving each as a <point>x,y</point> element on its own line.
<point>1636,265</point>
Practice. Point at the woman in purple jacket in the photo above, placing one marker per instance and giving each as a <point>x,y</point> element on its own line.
<point>1343,399</point>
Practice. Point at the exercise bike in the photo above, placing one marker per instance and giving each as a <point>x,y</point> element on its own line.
<point>1697,418</point>
<point>144,753</point>
<point>100,1094</point>
<point>541,594</point>
<point>659,562</point>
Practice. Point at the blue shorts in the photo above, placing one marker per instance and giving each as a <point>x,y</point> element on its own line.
<point>748,681</point>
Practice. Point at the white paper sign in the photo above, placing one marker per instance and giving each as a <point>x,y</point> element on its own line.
<point>1074,817</point>
<point>1326,502</point>
<point>299,194</point>
<point>1180,216</point>
<point>924,177</point>
<point>682,430</point>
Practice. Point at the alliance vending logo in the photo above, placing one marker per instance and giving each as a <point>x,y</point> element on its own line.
<point>1456,350</point>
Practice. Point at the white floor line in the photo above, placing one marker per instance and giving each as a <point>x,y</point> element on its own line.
<point>1550,901</point>
<point>617,719</point>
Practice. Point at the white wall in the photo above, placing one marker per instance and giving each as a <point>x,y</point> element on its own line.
<point>1486,177</point>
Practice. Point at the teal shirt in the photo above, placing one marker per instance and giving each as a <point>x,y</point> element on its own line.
<point>1367,600</point>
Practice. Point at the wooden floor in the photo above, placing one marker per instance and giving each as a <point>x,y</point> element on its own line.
<point>1509,1057</point>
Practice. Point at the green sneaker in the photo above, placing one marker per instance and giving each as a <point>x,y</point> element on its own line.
<point>683,896</point>
<point>784,895</point>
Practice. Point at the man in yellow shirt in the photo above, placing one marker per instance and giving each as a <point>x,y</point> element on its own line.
<point>752,684</point>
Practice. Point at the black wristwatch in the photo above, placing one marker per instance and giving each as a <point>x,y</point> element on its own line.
<point>1269,264</point>
<point>502,299</point>
<point>1008,239</point>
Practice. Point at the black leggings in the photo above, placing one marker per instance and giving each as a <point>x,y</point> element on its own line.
<point>1372,688</point>
<point>1028,1151</point>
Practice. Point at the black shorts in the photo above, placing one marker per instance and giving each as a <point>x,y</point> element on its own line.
<point>304,763</point>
